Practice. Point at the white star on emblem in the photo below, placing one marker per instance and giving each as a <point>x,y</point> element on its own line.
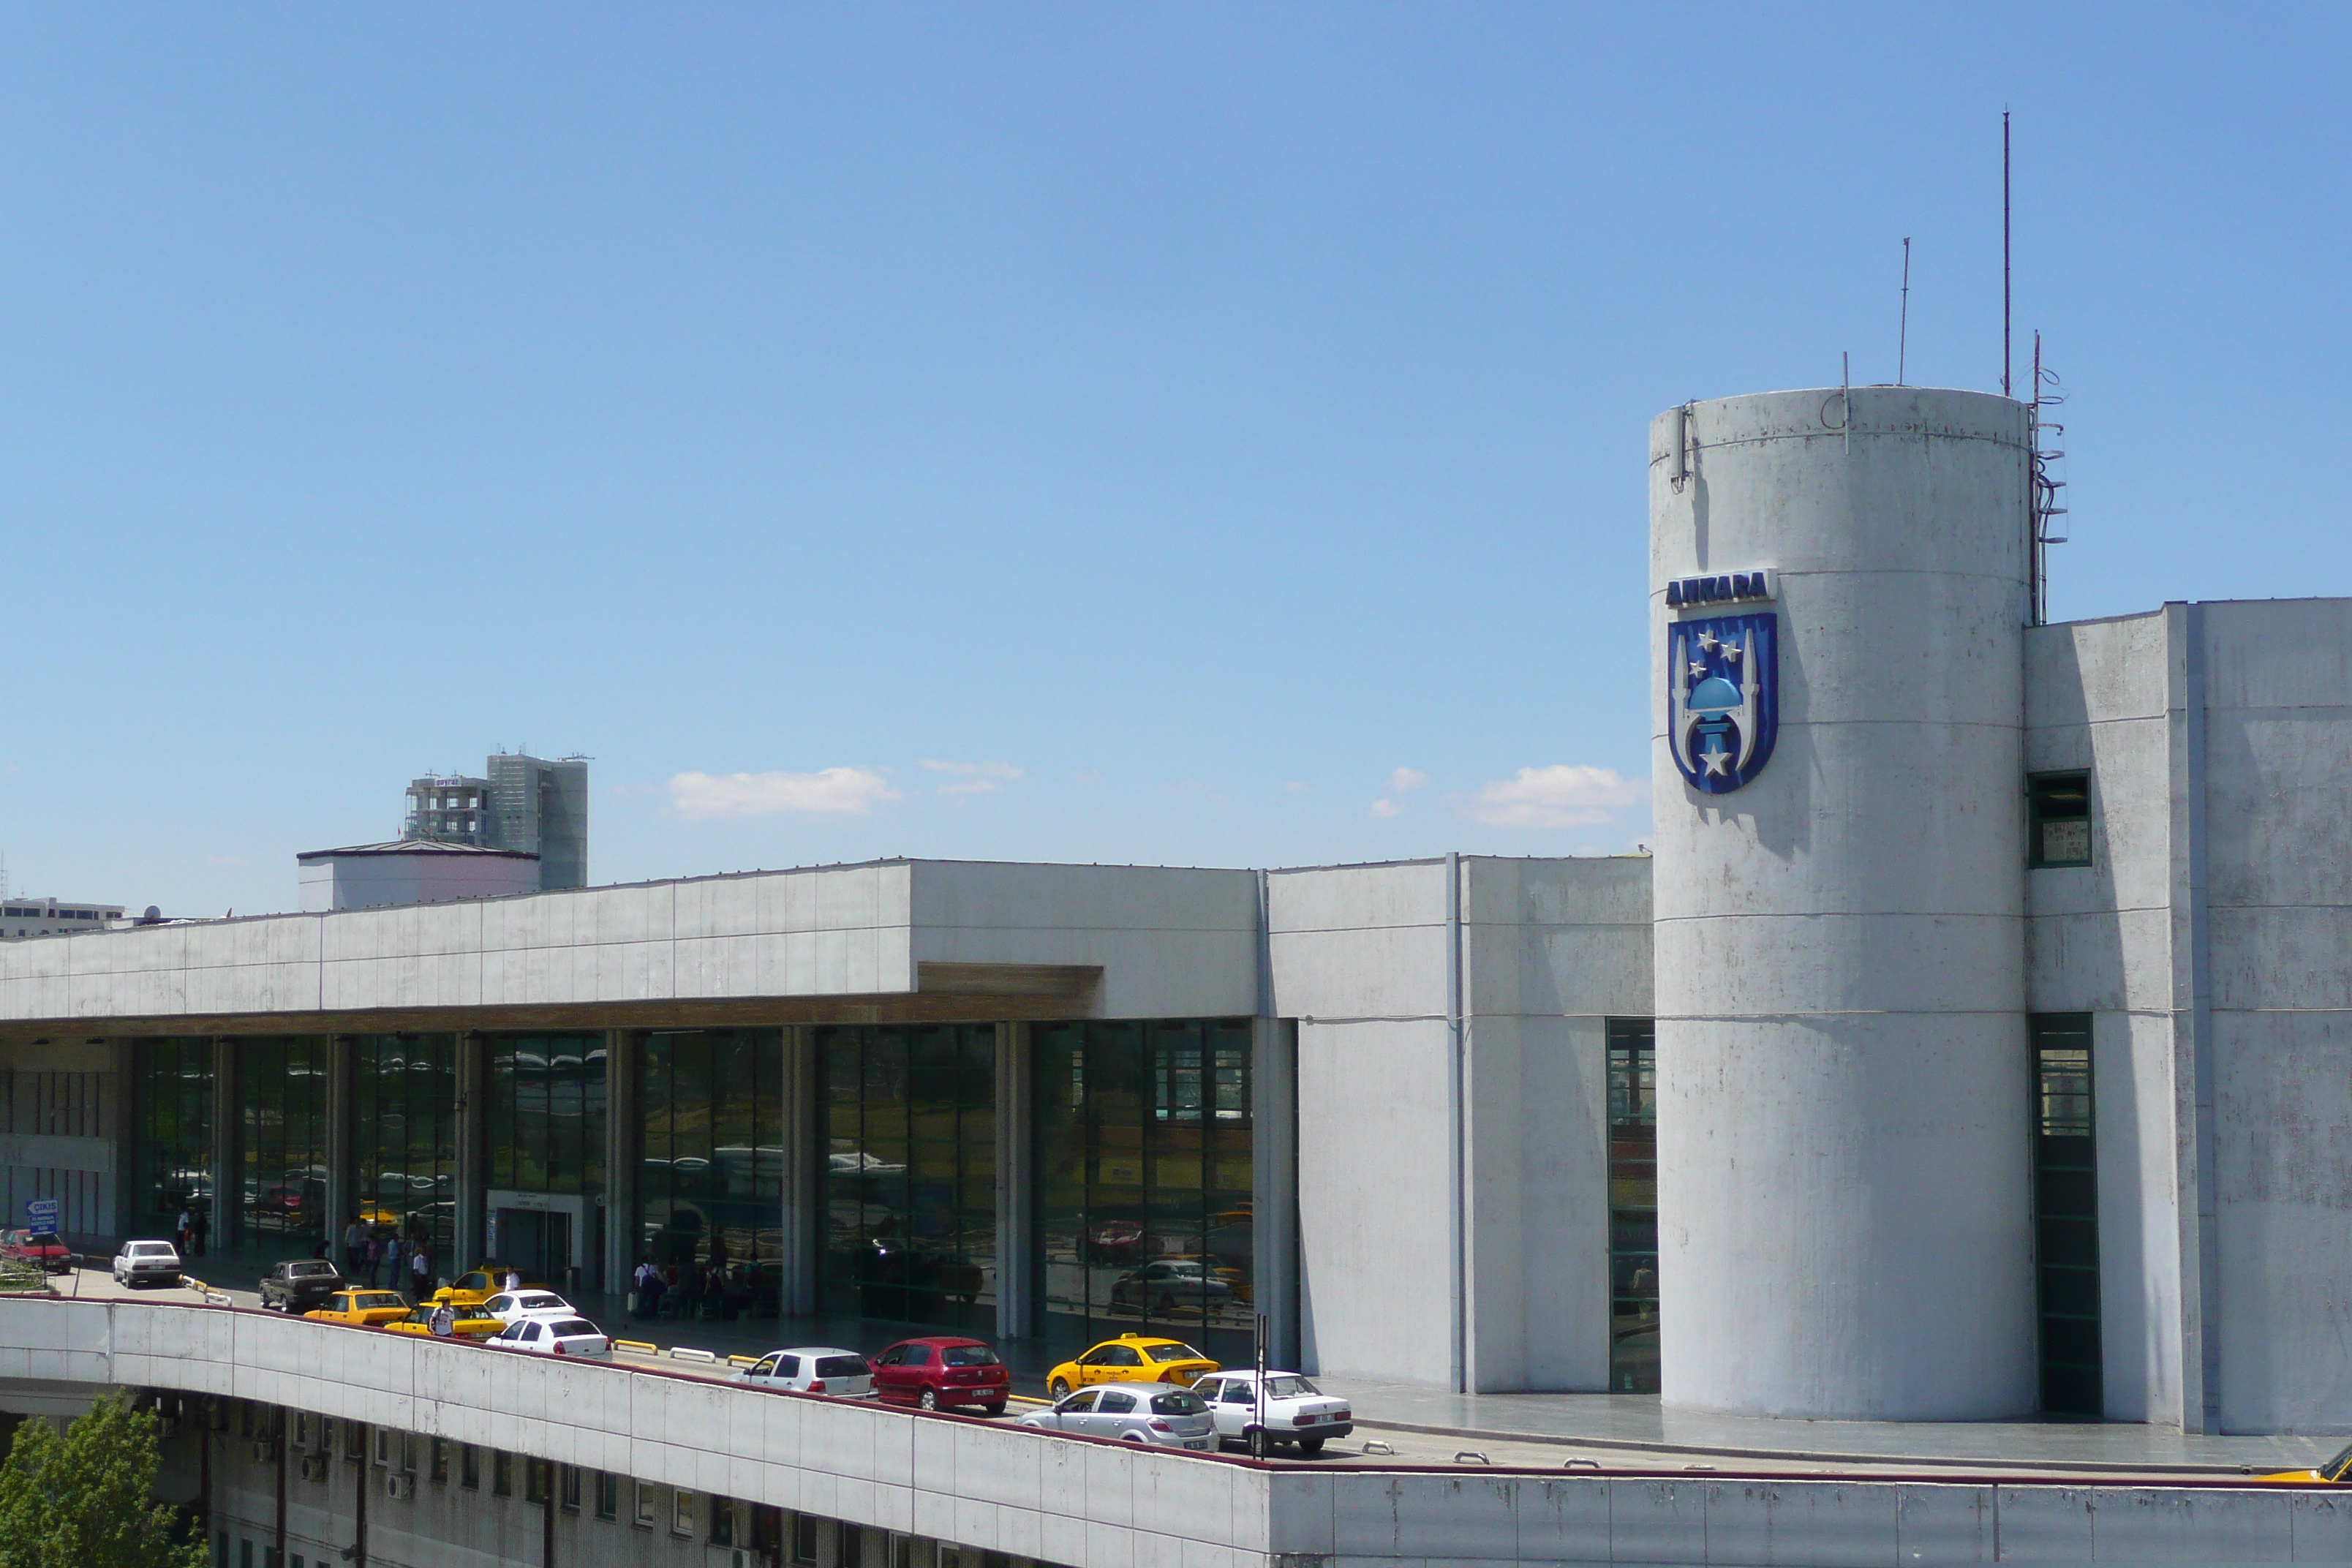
<point>1732,650</point>
<point>1707,641</point>
<point>1716,762</point>
<point>1698,669</point>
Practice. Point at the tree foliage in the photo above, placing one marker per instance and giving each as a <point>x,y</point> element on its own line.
<point>87,1500</point>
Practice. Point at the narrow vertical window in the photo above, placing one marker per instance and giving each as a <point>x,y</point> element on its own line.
<point>2058,808</point>
<point>1633,1206</point>
<point>2066,1216</point>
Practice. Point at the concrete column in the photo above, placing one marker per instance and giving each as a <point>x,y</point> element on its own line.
<point>620,1116</point>
<point>340,1050</point>
<point>1015,1186</point>
<point>228,1181</point>
<point>1274,1183</point>
<point>472,1155</point>
<point>803,1230</point>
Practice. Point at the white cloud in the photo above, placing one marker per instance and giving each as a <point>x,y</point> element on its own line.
<point>972,778</point>
<point>1566,795</point>
<point>1386,808</point>
<point>853,791</point>
<point>1295,786</point>
<point>1404,779</point>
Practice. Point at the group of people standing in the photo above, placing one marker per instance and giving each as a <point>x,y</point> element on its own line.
<point>189,1234</point>
<point>387,1262</point>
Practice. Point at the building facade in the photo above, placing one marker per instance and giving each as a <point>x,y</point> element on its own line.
<point>527,806</point>
<point>1968,1048</point>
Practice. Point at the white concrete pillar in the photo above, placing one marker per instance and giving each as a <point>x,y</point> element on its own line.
<point>1844,1215</point>
<point>803,1228</point>
<point>1273,1179</point>
<point>1015,1186</point>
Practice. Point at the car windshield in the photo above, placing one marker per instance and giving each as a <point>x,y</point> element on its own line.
<point>542,1303</point>
<point>43,1238</point>
<point>1289,1388</point>
<point>841,1366</point>
<point>968,1355</point>
<point>574,1328</point>
<point>2334,1468</point>
<point>151,1250</point>
<point>1178,1402</point>
<point>385,1298</point>
<point>310,1270</point>
<point>1173,1352</point>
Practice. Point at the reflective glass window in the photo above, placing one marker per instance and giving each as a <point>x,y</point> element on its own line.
<point>1145,1172</point>
<point>172,1133</point>
<point>403,1142</point>
<point>281,1197</point>
<point>1633,1205</point>
<point>710,1170</point>
<point>909,1179</point>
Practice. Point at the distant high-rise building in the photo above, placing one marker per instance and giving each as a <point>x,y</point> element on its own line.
<point>527,804</point>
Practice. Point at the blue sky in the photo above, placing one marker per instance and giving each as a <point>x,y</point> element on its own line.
<point>1202,434</point>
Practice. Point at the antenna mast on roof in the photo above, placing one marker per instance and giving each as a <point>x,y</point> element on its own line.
<point>1903,332</point>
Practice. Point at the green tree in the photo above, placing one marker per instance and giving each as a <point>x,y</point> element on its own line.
<point>87,1500</point>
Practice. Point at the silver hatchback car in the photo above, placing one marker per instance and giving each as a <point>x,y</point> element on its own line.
<point>1133,1413</point>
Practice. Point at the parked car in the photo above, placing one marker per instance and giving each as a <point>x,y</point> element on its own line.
<point>551,1336</point>
<point>362,1308</point>
<point>1296,1411</point>
<point>941,1370</point>
<point>147,1263</point>
<point>465,1323</point>
<point>2336,1471</point>
<point>1132,1413</point>
<point>509,1306</point>
<point>1130,1358</point>
<point>42,1247</point>
<point>812,1369</point>
<point>299,1284</point>
<point>1167,1285</point>
<point>477,1284</point>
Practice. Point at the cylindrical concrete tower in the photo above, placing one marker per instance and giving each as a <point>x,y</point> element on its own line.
<point>1839,591</point>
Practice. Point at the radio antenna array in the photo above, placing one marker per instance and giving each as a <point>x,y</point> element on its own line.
<point>2044,507</point>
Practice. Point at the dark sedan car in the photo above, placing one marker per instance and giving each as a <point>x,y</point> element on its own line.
<point>301,1284</point>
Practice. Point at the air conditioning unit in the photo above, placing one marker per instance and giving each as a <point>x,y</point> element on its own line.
<point>397,1487</point>
<point>265,1449</point>
<point>314,1467</point>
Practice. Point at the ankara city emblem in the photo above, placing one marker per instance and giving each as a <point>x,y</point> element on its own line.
<point>1723,702</point>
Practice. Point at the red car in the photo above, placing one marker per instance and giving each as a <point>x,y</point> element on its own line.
<point>36,1247</point>
<point>940,1372</point>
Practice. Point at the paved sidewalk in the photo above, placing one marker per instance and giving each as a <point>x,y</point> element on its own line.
<point>1635,1424</point>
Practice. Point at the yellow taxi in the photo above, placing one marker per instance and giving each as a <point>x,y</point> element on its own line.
<point>365,1308</point>
<point>469,1323</point>
<point>2331,1474</point>
<point>476,1285</point>
<point>1131,1358</point>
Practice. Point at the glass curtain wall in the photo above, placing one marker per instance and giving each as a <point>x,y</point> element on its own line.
<point>1145,1167</point>
<point>1633,1205</point>
<point>545,1120</point>
<point>171,1133</point>
<point>909,1185</point>
<point>710,1173</point>
<point>282,1143</point>
<point>403,1143</point>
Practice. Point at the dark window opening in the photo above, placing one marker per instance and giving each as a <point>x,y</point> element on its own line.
<point>2059,808</point>
<point>2066,1216</point>
<point>1633,1206</point>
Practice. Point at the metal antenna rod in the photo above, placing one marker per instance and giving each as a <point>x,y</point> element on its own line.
<point>1903,333</point>
<point>2004,254</point>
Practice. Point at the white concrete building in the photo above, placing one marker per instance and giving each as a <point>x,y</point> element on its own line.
<point>1969,1047</point>
<point>411,871</point>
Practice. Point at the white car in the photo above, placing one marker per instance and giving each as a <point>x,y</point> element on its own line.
<point>147,1263</point>
<point>1132,1413</point>
<point>812,1369</point>
<point>1296,1410</point>
<point>551,1336</point>
<point>513,1306</point>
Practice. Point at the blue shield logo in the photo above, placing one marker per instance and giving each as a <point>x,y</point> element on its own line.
<point>1723,702</point>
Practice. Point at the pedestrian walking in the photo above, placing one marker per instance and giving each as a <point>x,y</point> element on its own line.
<point>444,1320</point>
<point>180,1235</point>
<point>197,1228</point>
<point>375,1258</point>
<point>354,1248</point>
<point>420,1269</point>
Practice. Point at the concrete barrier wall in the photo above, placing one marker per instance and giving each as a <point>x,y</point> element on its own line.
<point>1105,1505</point>
<point>970,1482</point>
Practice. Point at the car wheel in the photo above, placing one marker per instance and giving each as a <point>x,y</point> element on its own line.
<point>1059,1388</point>
<point>1310,1445</point>
<point>929,1399</point>
<point>1130,1436</point>
<point>995,1409</point>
